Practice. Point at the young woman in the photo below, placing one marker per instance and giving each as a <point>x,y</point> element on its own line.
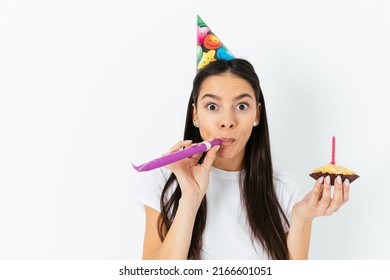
<point>230,203</point>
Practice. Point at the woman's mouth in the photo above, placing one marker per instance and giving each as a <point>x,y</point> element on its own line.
<point>227,141</point>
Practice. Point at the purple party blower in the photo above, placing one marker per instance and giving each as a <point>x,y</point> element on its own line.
<point>176,156</point>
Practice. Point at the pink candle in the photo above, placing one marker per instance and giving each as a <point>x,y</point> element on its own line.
<point>333,150</point>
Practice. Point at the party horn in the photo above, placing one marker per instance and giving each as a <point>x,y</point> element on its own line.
<point>176,156</point>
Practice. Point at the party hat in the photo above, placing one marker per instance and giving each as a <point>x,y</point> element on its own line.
<point>209,47</point>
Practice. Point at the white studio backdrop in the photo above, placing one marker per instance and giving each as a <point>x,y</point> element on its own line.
<point>89,87</point>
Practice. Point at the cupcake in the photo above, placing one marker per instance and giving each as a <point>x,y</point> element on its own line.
<point>334,170</point>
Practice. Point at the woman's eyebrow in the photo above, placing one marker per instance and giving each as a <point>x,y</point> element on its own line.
<point>243,95</point>
<point>213,96</point>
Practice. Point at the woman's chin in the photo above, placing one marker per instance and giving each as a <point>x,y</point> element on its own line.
<point>226,155</point>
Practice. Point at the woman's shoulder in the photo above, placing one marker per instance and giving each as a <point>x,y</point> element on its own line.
<point>155,179</point>
<point>286,182</point>
<point>287,189</point>
<point>149,188</point>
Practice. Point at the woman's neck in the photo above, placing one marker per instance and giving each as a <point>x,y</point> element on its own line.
<point>228,164</point>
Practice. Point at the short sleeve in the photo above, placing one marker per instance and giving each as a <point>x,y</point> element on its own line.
<point>288,191</point>
<point>150,186</point>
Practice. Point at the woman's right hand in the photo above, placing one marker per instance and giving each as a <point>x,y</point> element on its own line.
<point>193,177</point>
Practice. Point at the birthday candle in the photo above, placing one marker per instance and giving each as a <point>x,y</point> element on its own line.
<point>333,150</point>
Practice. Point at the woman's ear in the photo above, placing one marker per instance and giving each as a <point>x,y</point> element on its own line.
<point>194,113</point>
<point>258,114</point>
<point>195,116</point>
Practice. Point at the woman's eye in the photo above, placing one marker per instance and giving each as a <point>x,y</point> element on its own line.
<point>242,106</point>
<point>212,107</point>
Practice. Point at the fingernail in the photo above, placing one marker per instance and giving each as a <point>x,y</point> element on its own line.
<point>189,141</point>
<point>327,179</point>
<point>346,183</point>
<point>320,180</point>
<point>338,179</point>
<point>218,146</point>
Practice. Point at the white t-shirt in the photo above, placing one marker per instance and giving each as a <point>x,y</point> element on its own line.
<point>227,233</point>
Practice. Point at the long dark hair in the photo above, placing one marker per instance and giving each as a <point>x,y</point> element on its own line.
<point>257,190</point>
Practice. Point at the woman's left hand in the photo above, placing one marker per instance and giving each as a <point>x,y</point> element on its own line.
<point>320,201</point>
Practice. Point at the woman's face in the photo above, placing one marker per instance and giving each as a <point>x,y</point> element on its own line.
<point>227,109</point>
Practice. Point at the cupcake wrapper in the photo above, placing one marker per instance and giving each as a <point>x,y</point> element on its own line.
<point>317,175</point>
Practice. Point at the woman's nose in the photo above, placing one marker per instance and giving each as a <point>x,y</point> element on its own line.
<point>227,122</point>
<point>223,125</point>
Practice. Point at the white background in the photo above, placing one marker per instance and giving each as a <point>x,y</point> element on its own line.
<point>89,87</point>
